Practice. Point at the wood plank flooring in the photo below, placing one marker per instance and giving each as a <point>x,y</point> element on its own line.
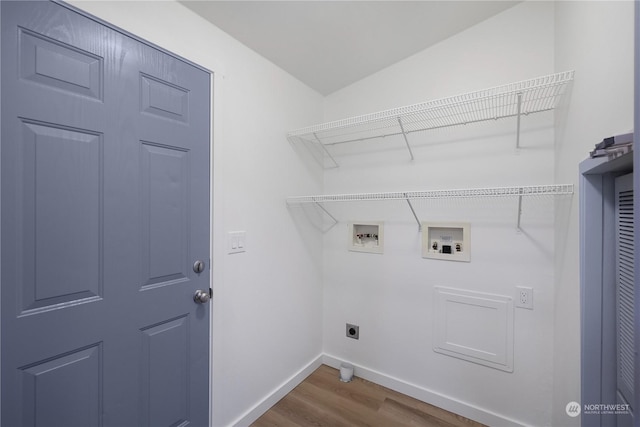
<point>323,400</point>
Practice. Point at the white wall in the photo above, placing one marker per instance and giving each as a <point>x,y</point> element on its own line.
<point>267,302</point>
<point>390,296</point>
<point>601,105</point>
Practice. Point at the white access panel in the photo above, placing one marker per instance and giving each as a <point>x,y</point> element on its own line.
<point>474,326</point>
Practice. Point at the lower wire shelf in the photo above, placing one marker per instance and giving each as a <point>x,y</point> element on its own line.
<point>409,196</point>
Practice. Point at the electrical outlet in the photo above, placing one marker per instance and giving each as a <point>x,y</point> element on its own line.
<point>353,331</point>
<point>524,297</point>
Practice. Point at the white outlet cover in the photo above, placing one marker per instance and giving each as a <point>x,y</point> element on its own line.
<point>524,297</point>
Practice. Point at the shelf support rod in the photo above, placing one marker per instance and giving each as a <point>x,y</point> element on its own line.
<point>406,140</point>
<point>335,221</point>
<point>519,210</point>
<point>413,212</point>
<point>518,120</point>
<point>325,150</point>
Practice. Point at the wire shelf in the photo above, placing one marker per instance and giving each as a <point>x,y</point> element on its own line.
<point>532,190</point>
<point>510,100</point>
<point>409,196</point>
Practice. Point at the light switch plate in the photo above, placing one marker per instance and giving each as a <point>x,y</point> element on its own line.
<point>236,242</point>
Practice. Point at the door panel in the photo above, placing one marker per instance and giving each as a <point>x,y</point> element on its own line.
<point>164,99</point>
<point>43,382</point>
<point>165,186</point>
<point>105,207</point>
<point>58,65</point>
<point>165,380</point>
<point>61,167</point>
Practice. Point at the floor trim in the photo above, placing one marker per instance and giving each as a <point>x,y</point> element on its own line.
<point>429,396</point>
<point>281,391</point>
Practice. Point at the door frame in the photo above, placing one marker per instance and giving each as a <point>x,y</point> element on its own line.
<point>636,189</point>
<point>213,79</point>
<point>597,283</point>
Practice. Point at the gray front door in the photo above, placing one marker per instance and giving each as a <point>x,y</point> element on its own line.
<point>104,210</point>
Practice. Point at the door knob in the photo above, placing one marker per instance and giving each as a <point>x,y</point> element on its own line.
<point>201,297</point>
<point>198,266</point>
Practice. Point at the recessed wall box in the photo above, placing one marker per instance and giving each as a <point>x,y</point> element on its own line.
<point>366,237</point>
<point>446,240</point>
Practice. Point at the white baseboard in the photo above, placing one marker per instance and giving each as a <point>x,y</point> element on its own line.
<point>263,406</point>
<point>434,398</point>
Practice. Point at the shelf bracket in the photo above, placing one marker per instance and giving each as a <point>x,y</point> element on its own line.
<point>406,140</point>
<point>326,151</point>
<point>518,120</point>
<point>413,212</point>
<point>335,221</point>
<point>518,229</point>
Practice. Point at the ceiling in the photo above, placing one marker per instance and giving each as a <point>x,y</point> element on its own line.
<point>330,44</point>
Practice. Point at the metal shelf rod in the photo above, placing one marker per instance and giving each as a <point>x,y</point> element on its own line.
<point>404,134</point>
<point>519,212</point>
<point>414,214</point>
<point>518,120</point>
<point>325,150</point>
<point>335,221</point>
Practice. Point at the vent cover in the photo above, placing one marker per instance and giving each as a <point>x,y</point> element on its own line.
<point>625,285</point>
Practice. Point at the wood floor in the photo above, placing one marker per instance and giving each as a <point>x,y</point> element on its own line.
<point>323,400</point>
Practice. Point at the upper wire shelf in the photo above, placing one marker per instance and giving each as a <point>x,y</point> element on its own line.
<point>510,100</point>
<point>530,190</point>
